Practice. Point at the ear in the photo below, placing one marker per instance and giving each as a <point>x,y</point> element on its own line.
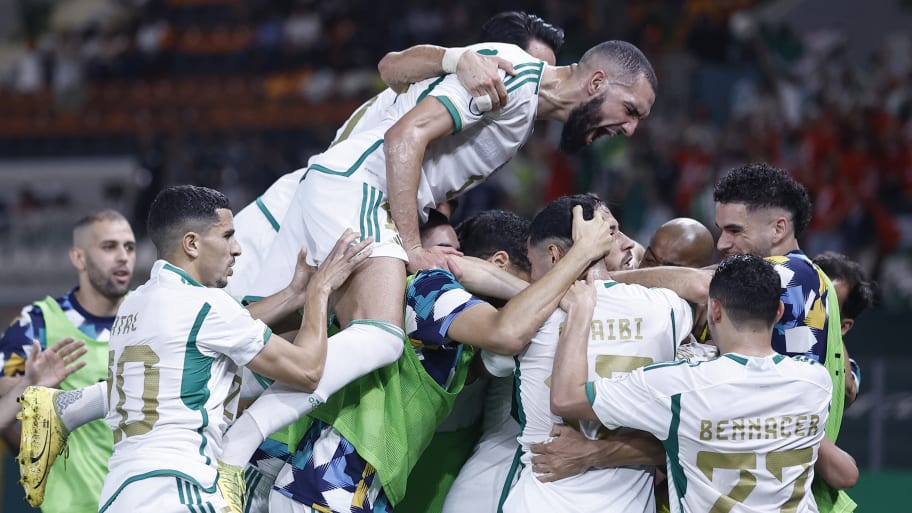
<point>500,259</point>
<point>780,229</point>
<point>713,311</point>
<point>847,325</point>
<point>77,258</point>
<point>556,252</point>
<point>779,312</point>
<point>597,83</point>
<point>190,244</point>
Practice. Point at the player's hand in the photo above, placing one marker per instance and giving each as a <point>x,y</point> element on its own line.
<point>593,238</point>
<point>302,274</point>
<point>580,295</point>
<point>433,258</point>
<point>480,75</point>
<point>564,456</point>
<point>49,367</point>
<point>344,258</point>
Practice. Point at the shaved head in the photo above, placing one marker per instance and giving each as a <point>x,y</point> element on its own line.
<point>681,242</point>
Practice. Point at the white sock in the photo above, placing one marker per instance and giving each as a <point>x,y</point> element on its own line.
<point>77,407</point>
<point>360,348</point>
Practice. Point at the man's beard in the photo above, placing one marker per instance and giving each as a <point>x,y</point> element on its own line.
<point>105,284</point>
<point>583,118</point>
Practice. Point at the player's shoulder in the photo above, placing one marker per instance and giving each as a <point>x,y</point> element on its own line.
<point>507,51</point>
<point>808,368</point>
<point>431,281</point>
<point>627,292</point>
<point>795,269</point>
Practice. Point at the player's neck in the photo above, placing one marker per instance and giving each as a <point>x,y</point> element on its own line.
<point>558,92</point>
<point>785,247</point>
<point>95,303</point>
<point>745,343</point>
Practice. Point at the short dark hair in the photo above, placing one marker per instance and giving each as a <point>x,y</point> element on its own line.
<point>179,209</point>
<point>630,61</point>
<point>862,292</point>
<point>97,216</point>
<point>518,27</point>
<point>760,185</point>
<point>491,231</point>
<point>748,287</point>
<point>435,219</point>
<point>555,221</point>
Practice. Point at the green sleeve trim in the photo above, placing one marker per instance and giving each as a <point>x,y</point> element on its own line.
<point>267,213</point>
<point>590,393</point>
<point>266,335</point>
<point>487,51</point>
<point>457,119</point>
<point>353,168</point>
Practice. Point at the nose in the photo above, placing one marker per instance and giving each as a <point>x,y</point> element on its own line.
<point>629,127</point>
<point>235,247</point>
<point>725,242</point>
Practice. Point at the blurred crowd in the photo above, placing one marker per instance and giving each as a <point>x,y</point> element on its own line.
<point>735,86</point>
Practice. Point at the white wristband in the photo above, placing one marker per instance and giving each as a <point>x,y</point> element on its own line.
<point>450,59</point>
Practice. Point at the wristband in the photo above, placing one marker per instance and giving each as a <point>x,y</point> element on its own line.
<point>450,59</point>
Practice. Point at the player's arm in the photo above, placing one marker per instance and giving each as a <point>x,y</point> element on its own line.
<point>477,73</point>
<point>569,453</point>
<point>484,278</point>
<point>835,466</point>
<point>300,364</point>
<point>404,145</point>
<point>690,284</point>
<point>510,328</point>
<point>571,393</point>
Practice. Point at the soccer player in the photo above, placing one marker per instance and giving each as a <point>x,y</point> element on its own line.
<point>680,242</point>
<point>103,254</point>
<point>634,326</point>
<point>856,294</point>
<point>740,431</point>
<point>432,150</point>
<point>439,313</point>
<point>762,210</point>
<point>258,222</point>
<point>176,345</point>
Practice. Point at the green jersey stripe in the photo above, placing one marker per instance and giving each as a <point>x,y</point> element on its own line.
<point>430,88</point>
<point>374,214</point>
<point>530,80</point>
<point>195,377</point>
<point>361,225</point>
<point>672,449</point>
<point>354,167</point>
<point>535,72</point>
<point>457,119</point>
<point>267,213</point>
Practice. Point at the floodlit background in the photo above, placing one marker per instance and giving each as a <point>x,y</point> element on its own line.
<point>104,102</point>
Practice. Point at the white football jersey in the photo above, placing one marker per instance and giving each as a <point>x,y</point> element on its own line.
<point>481,142</point>
<point>173,386</point>
<point>741,433</point>
<point>632,326</point>
<point>257,224</point>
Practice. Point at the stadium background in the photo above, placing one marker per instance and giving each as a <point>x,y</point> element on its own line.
<point>104,102</point>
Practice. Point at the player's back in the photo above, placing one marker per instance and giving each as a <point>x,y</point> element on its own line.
<point>742,432</point>
<point>632,326</point>
<point>802,330</point>
<point>481,143</point>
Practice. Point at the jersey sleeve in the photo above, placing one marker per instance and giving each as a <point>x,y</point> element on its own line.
<point>628,401</point>
<point>228,329</point>
<point>433,300</point>
<point>513,120</point>
<point>16,344</point>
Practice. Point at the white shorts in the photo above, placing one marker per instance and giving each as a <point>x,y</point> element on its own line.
<point>482,480</point>
<point>259,484</point>
<point>256,226</point>
<point>162,494</point>
<point>323,207</point>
